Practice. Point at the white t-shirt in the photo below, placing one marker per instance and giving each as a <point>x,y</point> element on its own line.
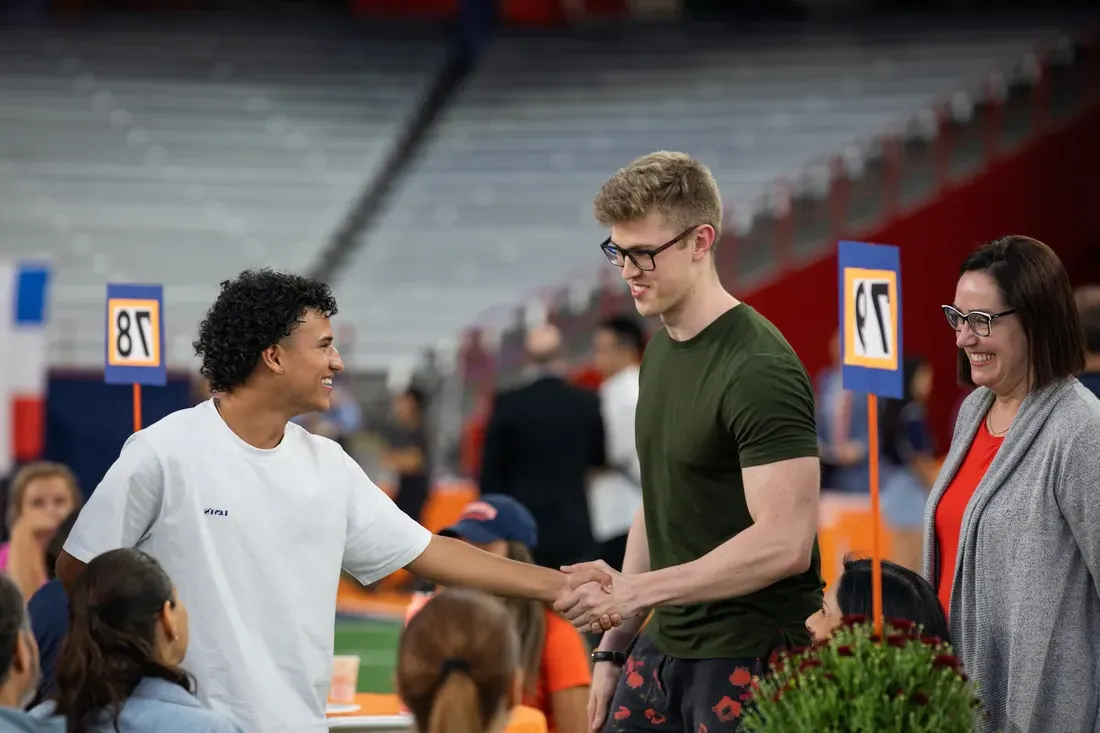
<point>254,541</point>
<point>615,495</point>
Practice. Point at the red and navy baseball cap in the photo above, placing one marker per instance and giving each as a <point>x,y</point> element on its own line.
<point>495,517</point>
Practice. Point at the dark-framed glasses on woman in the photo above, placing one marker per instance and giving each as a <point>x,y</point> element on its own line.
<point>980,322</point>
<point>642,257</point>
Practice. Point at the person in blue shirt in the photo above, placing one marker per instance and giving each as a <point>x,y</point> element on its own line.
<point>907,465</point>
<point>49,611</point>
<point>19,666</point>
<point>118,669</point>
<point>842,427</point>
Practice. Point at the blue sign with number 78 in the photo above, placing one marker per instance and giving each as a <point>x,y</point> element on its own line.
<point>134,335</point>
<point>870,319</point>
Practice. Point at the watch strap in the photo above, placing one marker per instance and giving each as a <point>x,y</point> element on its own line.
<point>616,658</point>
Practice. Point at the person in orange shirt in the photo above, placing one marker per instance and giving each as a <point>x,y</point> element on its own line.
<point>553,654</point>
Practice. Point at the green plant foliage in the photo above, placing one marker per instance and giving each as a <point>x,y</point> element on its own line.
<point>859,682</point>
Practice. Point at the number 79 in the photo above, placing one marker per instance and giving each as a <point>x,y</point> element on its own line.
<point>880,295</point>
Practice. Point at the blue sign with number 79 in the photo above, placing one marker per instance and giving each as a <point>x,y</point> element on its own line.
<point>134,348</point>
<point>870,319</point>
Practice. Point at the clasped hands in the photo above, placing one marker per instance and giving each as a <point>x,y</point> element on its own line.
<point>596,597</point>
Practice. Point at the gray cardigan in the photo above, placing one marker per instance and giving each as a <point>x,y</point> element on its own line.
<point>1025,606</point>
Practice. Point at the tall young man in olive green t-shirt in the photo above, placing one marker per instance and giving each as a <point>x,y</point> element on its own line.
<point>724,549</point>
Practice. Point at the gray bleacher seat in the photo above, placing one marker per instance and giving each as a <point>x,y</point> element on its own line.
<point>498,205</point>
<point>133,153</point>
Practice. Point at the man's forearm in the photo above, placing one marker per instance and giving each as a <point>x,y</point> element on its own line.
<point>636,557</point>
<point>635,561</point>
<point>620,638</point>
<point>451,562</point>
<point>754,559</point>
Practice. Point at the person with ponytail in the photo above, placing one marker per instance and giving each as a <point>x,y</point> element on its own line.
<point>118,668</point>
<point>458,664</point>
<point>557,673</point>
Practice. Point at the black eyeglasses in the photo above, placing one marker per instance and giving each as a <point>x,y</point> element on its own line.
<point>642,257</point>
<point>980,321</point>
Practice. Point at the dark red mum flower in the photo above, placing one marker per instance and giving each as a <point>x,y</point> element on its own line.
<point>919,698</point>
<point>898,640</point>
<point>844,650</point>
<point>945,660</point>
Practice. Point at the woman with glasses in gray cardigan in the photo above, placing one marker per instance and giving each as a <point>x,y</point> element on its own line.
<point>1012,525</point>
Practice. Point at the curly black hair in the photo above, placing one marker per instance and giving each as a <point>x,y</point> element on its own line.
<point>253,312</point>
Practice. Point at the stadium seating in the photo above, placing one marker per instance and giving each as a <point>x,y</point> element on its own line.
<point>498,206</point>
<point>133,153</point>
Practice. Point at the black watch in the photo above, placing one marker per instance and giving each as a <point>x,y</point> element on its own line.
<point>616,658</point>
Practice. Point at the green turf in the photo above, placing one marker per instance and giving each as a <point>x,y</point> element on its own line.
<point>376,644</point>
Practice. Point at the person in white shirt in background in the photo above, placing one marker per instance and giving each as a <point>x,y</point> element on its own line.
<point>615,494</point>
<point>253,517</point>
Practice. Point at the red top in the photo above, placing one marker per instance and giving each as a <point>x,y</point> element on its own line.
<point>952,506</point>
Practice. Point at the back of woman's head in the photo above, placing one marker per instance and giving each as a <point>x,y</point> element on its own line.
<point>115,607</point>
<point>458,663</point>
<point>905,595</point>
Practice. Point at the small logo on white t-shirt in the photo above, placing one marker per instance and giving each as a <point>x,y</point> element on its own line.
<point>217,512</point>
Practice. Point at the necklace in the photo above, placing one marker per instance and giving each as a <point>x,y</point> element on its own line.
<point>989,425</point>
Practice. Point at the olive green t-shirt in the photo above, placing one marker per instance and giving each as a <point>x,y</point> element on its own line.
<point>734,396</point>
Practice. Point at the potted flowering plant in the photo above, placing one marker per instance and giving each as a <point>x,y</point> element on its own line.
<point>859,682</point>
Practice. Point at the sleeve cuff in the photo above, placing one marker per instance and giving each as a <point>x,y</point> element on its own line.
<point>414,550</point>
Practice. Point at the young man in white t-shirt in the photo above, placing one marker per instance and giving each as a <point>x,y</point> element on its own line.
<point>253,517</point>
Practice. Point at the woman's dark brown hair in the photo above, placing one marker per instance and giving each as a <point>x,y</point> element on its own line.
<point>114,610</point>
<point>457,662</point>
<point>1033,280</point>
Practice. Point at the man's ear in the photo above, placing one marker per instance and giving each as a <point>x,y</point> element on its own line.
<point>271,357</point>
<point>704,241</point>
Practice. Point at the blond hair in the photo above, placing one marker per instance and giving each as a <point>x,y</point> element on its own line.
<point>681,188</point>
<point>457,662</point>
<point>30,473</point>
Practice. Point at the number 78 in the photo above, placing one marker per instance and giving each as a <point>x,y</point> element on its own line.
<point>124,342</point>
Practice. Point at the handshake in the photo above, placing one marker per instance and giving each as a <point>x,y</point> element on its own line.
<point>595,597</point>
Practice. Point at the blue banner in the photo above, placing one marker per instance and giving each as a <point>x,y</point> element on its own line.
<point>870,319</point>
<point>134,348</point>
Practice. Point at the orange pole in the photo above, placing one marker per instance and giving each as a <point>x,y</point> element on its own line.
<point>876,528</point>
<point>137,407</point>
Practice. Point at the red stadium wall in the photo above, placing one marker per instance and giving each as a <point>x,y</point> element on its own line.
<point>1046,190</point>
